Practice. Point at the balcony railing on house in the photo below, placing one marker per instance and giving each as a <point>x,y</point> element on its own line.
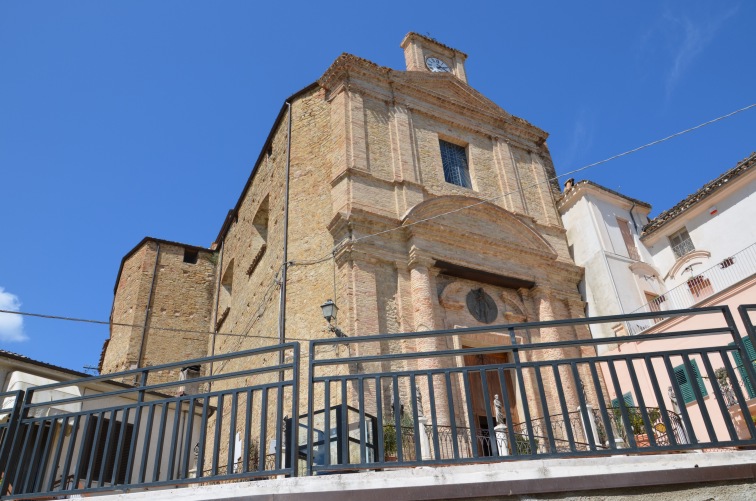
<point>683,248</point>
<point>149,428</point>
<point>494,393</point>
<point>699,287</point>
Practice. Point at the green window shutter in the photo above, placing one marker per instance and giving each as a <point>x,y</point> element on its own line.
<point>751,352</point>
<point>686,387</point>
<point>627,398</point>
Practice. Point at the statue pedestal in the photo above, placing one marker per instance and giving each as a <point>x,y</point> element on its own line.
<point>502,442</point>
<point>425,449</point>
<point>589,428</point>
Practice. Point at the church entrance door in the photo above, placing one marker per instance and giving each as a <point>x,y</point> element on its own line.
<point>493,388</point>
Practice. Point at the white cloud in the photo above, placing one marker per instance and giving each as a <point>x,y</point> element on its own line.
<point>689,38</point>
<point>11,326</point>
<point>581,139</point>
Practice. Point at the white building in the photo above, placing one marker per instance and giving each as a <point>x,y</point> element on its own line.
<point>708,230</point>
<point>69,420</point>
<point>688,254</point>
<point>603,230</point>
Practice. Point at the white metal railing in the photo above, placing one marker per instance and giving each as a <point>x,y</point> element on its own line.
<point>698,287</point>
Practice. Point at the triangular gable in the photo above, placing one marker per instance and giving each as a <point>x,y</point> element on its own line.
<point>448,87</point>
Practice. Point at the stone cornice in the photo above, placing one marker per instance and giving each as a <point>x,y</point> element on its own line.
<point>412,89</point>
<point>419,258</point>
<point>412,35</point>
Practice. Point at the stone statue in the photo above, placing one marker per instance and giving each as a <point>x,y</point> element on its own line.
<point>582,388</point>
<point>673,399</point>
<point>419,399</point>
<point>499,408</point>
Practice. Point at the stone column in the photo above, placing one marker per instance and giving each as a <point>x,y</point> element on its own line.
<point>424,300</point>
<point>576,308</point>
<point>545,301</point>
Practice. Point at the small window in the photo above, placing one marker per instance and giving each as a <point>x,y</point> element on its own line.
<point>685,382</point>
<point>228,278</point>
<point>726,263</point>
<point>681,243</point>
<point>190,256</point>
<point>260,221</point>
<point>454,160</point>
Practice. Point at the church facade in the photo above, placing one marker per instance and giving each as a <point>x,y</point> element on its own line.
<point>405,196</point>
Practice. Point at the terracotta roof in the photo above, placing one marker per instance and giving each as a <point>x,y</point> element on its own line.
<point>567,194</point>
<point>706,191</point>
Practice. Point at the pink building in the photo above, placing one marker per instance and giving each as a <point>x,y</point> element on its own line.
<point>700,253</point>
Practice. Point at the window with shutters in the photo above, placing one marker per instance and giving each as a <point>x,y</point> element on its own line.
<point>751,352</point>
<point>627,236</point>
<point>627,399</point>
<point>685,381</point>
<point>454,160</point>
<point>681,243</point>
<point>107,465</point>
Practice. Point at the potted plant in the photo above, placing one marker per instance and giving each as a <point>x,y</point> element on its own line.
<point>390,445</point>
<point>637,426</point>
<point>522,444</point>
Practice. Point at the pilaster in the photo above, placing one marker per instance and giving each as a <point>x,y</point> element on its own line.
<point>356,140</point>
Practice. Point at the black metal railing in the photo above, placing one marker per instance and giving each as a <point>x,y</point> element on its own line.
<point>495,393</point>
<point>161,431</point>
<point>543,376</point>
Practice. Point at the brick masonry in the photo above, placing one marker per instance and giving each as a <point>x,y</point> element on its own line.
<point>365,158</point>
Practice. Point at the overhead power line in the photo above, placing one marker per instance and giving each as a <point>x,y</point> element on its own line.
<point>332,253</point>
<point>121,324</point>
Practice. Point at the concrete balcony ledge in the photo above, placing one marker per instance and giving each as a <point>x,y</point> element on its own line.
<point>715,475</point>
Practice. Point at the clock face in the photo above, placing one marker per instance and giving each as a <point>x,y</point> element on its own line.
<point>436,65</point>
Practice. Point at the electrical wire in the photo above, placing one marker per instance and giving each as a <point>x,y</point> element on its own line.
<point>121,324</point>
<point>335,249</point>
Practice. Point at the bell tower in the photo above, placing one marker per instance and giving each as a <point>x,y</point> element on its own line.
<point>423,53</point>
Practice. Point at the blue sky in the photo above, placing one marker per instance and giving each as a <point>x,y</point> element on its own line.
<point>120,120</point>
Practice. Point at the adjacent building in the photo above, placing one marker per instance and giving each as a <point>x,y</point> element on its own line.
<point>699,253</point>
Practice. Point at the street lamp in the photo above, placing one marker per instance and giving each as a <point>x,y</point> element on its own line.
<point>329,313</point>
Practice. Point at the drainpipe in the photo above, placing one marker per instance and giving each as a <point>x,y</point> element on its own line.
<point>217,302</point>
<point>149,307</point>
<point>635,225</point>
<point>285,264</point>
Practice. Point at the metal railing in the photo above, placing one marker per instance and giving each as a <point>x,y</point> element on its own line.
<point>139,435</point>
<point>698,287</point>
<point>546,380</point>
<point>495,393</point>
<point>683,248</point>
